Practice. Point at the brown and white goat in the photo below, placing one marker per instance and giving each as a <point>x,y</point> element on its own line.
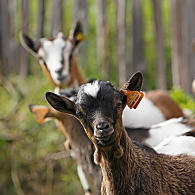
<point>127,167</point>
<point>56,56</point>
<point>77,143</point>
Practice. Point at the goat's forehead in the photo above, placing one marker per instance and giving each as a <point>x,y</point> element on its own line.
<point>97,91</point>
<point>55,45</point>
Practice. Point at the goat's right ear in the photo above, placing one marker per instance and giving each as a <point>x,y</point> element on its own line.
<point>29,44</point>
<point>61,103</point>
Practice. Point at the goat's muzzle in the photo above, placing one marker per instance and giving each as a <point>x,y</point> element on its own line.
<point>104,133</point>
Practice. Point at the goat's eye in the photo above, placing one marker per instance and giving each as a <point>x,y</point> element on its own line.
<point>80,114</point>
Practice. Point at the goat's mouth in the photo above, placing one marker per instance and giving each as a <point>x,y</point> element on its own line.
<point>105,140</point>
<point>63,79</point>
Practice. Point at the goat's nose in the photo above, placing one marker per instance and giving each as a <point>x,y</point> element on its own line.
<point>102,126</point>
<point>59,71</point>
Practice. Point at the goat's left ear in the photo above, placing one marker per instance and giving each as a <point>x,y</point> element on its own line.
<point>76,34</point>
<point>61,103</point>
<point>132,85</point>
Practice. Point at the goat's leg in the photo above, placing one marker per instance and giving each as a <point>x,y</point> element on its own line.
<point>83,180</point>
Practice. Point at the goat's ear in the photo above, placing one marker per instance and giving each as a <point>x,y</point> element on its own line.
<point>61,103</point>
<point>29,44</point>
<point>76,34</point>
<point>40,112</point>
<point>134,83</point>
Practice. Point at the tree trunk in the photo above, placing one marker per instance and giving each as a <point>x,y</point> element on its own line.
<point>100,23</point>
<point>102,40</point>
<point>25,28</point>
<point>1,40</point>
<point>12,60</point>
<point>80,14</point>
<point>138,62</point>
<point>4,36</point>
<point>161,64</point>
<point>57,10</point>
<point>189,34</point>
<point>40,19</point>
<point>121,49</point>
<point>178,63</point>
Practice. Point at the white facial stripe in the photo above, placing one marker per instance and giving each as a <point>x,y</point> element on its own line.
<point>67,53</point>
<point>92,89</point>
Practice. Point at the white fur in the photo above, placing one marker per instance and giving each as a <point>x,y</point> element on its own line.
<point>159,132</point>
<point>82,178</point>
<point>51,52</point>
<point>145,115</point>
<point>176,145</point>
<point>92,89</point>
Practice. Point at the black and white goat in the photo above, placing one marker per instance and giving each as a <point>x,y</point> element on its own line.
<point>127,167</point>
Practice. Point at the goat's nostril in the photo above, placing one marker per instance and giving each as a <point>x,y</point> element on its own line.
<point>102,126</point>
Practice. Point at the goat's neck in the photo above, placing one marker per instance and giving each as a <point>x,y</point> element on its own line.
<point>120,170</point>
<point>77,78</point>
<point>70,127</point>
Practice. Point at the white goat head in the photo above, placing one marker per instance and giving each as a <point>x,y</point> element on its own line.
<point>55,54</point>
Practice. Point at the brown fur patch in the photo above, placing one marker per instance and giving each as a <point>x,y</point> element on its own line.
<point>75,73</point>
<point>165,103</point>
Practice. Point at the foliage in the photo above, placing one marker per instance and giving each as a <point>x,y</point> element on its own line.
<point>25,144</point>
<point>183,99</point>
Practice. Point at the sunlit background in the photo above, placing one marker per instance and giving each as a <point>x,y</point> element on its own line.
<point>122,37</point>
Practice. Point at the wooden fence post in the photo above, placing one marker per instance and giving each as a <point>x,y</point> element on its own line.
<point>178,63</point>
<point>57,11</point>
<point>121,49</point>
<point>40,19</point>
<point>161,64</point>
<point>25,28</point>
<point>138,61</point>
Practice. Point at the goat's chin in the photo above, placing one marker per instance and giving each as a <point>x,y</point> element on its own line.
<point>105,141</point>
<point>62,81</point>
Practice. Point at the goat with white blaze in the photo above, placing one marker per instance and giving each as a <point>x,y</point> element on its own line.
<point>127,167</point>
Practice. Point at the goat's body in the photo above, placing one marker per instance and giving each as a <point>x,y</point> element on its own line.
<point>142,171</point>
<point>155,107</point>
<point>154,135</point>
<point>142,115</point>
<point>175,145</point>
<point>81,148</point>
<point>172,127</point>
<point>162,100</point>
